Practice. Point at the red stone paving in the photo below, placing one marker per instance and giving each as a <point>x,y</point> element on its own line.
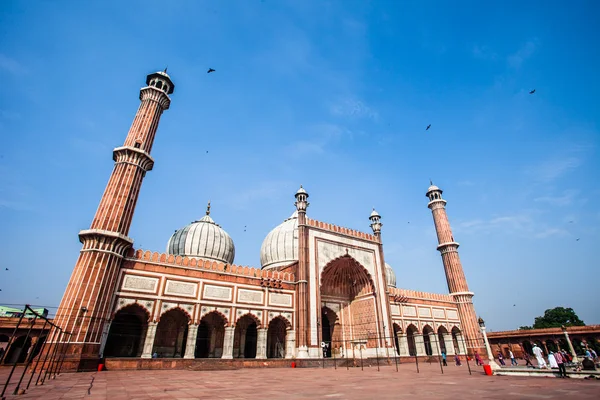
<point>309,383</point>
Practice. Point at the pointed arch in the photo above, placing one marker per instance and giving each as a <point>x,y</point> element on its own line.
<point>217,312</point>
<point>170,307</point>
<point>411,332</point>
<point>127,331</point>
<point>287,322</point>
<point>344,276</point>
<point>250,315</point>
<point>141,307</point>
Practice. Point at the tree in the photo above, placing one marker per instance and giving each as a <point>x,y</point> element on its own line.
<point>556,317</point>
<point>525,328</point>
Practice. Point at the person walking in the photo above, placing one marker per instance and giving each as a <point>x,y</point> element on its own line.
<point>457,360</point>
<point>513,360</point>
<point>527,359</point>
<point>539,356</point>
<point>552,360</point>
<point>562,371</point>
<point>478,359</point>
<point>501,358</point>
<point>444,359</point>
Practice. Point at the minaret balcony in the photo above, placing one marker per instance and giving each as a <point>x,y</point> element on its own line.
<point>134,156</point>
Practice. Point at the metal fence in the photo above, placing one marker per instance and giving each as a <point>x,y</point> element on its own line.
<point>49,360</point>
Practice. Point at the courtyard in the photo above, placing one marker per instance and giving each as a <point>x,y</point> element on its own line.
<point>308,383</point>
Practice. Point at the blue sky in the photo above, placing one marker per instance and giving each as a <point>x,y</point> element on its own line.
<point>334,95</point>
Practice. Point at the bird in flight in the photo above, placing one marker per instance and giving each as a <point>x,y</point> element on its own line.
<point>577,240</point>
<point>428,126</point>
<point>6,269</point>
<point>532,92</point>
<point>210,70</point>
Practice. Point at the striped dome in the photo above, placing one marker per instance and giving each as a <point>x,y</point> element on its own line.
<point>280,247</point>
<point>390,276</point>
<point>202,239</point>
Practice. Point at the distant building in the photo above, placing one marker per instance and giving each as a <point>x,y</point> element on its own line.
<point>322,290</point>
<point>17,312</point>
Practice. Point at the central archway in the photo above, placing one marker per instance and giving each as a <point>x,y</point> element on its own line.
<point>127,332</point>
<point>171,334</point>
<point>348,304</point>
<point>211,335</point>
<point>245,337</point>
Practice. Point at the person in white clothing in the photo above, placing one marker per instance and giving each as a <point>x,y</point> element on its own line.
<point>552,360</point>
<point>539,355</point>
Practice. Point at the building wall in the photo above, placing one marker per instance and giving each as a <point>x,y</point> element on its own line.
<point>160,282</point>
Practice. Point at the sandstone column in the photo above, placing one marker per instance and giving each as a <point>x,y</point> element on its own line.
<point>449,344</point>
<point>228,342</point>
<point>149,342</point>
<point>261,343</point>
<point>290,344</point>
<point>190,345</point>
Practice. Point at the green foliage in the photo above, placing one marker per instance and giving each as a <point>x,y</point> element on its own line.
<point>556,317</point>
<point>525,328</point>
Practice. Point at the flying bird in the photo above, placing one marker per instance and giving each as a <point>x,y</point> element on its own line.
<point>577,240</point>
<point>532,92</point>
<point>210,70</point>
<point>6,269</point>
<point>570,222</point>
<point>428,126</point>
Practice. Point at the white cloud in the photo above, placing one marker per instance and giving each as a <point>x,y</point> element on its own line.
<point>321,136</point>
<point>551,170</point>
<point>11,65</point>
<point>483,52</point>
<point>551,232</point>
<point>566,199</point>
<point>516,59</point>
<point>266,190</point>
<point>352,107</point>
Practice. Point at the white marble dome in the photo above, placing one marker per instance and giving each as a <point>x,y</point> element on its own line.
<point>280,247</point>
<point>203,239</point>
<point>390,276</point>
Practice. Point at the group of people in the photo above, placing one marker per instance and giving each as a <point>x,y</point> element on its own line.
<point>457,360</point>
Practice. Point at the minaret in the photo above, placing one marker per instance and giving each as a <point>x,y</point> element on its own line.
<point>85,307</point>
<point>384,312</point>
<point>457,283</point>
<point>303,330</point>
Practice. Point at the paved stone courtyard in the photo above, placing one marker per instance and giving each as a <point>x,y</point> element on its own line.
<point>309,383</point>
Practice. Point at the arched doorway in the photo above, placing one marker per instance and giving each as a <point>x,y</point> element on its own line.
<point>276,335</point>
<point>456,338</point>
<point>411,331</point>
<point>551,346</point>
<point>127,332</point>
<point>397,331</point>
<point>442,333</point>
<point>348,286</point>
<point>427,330</point>
<point>3,345</point>
<point>527,347</point>
<point>211,336</point>
<point>330,331</point>
<point>18,350</point>
<point>171,334</point>
<point>38,347</point>
<point>245,337</point>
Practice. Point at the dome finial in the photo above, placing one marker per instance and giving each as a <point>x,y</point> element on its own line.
<point>165,71</point>
<point>208,208</point>
<point>430,182</point>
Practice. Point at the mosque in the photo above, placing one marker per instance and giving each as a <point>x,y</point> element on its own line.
<point>321,290</point>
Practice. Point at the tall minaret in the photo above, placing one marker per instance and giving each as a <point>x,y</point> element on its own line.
<point>303,325</point>
<point>457,283</point>
<point>85,306</point>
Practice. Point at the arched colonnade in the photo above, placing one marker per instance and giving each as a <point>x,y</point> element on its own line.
<point>133,334</point>
<point>428,342</point>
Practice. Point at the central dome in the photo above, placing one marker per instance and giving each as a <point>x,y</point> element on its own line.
<point>202,239</point>
<point>280,247</point>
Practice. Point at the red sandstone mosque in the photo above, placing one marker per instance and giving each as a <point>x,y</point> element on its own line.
<point>317,284</point>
